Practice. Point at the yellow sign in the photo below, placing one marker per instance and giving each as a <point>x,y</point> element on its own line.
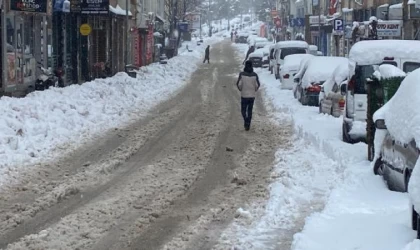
<point>85,29</point>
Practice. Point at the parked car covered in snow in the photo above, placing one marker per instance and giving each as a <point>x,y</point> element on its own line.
<point>313,50</point>
<point>364,56</point>
<point>290,68</point>
<point>331,99</point>
<point>285,48</point>
<point>256,58</point>
<point>242,37</point>
<point>260,45</point>
<point>317,71</point>
<point>397,135</point>
<point>254,40</point>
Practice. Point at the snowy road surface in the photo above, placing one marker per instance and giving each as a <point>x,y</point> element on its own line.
<point>172,180</point>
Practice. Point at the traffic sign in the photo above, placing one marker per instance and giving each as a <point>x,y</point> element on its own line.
<point>85,29</point>
<point>338,25</point>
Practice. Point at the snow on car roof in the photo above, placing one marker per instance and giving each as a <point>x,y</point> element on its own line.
<point>388,71</point>
<point>313,47</point>
<point>320,68</point>
<point>292,62</point>
<point>374,51</point>
<point>257,53</point>
<point>340,73</point>
<point>292,44</point>
<point>402,118</point>
<point>262,50</point>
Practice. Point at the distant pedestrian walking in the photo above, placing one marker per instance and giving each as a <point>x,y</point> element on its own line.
<point>231,36</point>
<point>207,55</point>
<point>248,83</point>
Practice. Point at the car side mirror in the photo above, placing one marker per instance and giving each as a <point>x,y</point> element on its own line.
<point>343,89</point>
<point>380,124</point>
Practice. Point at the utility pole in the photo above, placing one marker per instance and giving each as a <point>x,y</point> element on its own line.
<point>210,28</point>
<point>406,29</point>
<point>126,36</point>
<point>319,27</point>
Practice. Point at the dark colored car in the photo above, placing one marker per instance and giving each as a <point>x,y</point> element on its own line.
<point>242,38</point>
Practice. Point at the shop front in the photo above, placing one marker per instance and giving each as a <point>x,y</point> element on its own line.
<point>24,45</point>
<point>321,32</point>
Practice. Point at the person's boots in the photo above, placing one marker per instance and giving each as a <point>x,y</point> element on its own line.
<point>247,124</point>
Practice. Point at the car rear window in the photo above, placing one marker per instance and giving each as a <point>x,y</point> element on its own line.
<point>410,66</point>
<point>361,73</point>
<point>291,51</point>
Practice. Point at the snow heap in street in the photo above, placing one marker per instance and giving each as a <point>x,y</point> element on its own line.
<point>47,124</point>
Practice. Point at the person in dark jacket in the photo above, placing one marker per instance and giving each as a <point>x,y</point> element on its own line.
<point>250,50</point>
<point>207,55</point>
<point>231,36</point>
<point>248,83</point>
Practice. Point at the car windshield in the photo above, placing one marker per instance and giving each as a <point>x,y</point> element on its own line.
<point>291,51</point>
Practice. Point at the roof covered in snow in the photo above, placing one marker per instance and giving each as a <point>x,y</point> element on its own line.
<point>257,53</point>
<point>340,74</point>
<point>320,68</point>
<point>292,44</point>
<point>374,51</point>
<point>292,62</point>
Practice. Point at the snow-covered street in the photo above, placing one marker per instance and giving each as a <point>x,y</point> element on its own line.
<point>162,161</point>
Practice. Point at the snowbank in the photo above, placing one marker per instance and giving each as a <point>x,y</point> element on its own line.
<point>320,68</point>
<point>47,124</point>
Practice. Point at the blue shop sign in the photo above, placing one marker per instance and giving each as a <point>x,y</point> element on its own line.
<point>183,27</point>
<point>297,22</point>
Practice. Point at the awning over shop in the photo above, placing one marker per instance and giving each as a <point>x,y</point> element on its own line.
<point>119,11</point>
<point>159,19</point>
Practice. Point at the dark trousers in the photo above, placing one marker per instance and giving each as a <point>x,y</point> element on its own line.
<point>207,58</point>
<point>247,104</point>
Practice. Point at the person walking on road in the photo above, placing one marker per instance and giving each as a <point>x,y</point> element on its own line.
<point>250,51</point>
<point>231,36</point>
<point>248,83</point>
<point>207,55</point>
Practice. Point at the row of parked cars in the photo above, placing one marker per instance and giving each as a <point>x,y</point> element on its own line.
<point>372,90</point>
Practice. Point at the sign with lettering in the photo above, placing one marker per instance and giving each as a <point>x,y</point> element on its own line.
<point>389,28</point>
<point>94,6</point>
<point>38,6</point>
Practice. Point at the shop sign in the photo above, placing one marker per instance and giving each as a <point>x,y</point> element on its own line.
<point>314,20</point>
<point>136,44</point>
<point>37,6</point>
<point>85,29</point>
<point>389,28</point>
<point>94,6</point>
<point>297,22</point>
<point>183,27</point>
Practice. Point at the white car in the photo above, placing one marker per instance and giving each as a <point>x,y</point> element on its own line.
<point>331,100</point>
<point>290,68</point>
<point>313,50</point>
<point>317,71</point>
<point>285,48</point>
<point>364,56</point>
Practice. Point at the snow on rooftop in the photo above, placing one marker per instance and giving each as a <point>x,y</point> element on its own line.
<point>296,44</point>
<point>320,68</point>
<point>292,62</point>
<point>374,51</point>
<point>396,6</point>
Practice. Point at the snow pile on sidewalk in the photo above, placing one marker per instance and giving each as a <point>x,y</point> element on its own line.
<point>47,124</point>
<point>359,213</point>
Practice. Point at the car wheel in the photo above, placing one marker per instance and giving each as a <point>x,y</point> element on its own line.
<point>407,179</point>
<point>418,227</point>
<point>271,69</point>
<point>320,107</point>
<point>414,216</point>
<point>378,167</point>
<point>345,134</point>
<point>303,98</point>
<point>294,93</point>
